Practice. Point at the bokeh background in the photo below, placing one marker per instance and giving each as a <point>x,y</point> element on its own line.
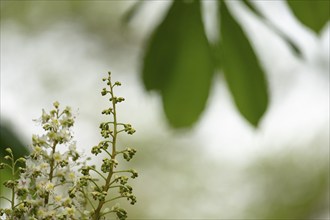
<point>220,167</point>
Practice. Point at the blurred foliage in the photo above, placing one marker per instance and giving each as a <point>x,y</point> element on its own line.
<point>314,14</point>
<point>93,17</point>
<point>294,48</point>
<point>179,63</point>
<point>177,181</point>
<point>291,185</point>
<point>177,67</point>
<point>244,75</point>
<point>9,138</point>
<point>242,70</point>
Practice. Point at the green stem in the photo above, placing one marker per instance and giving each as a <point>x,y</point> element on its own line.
<point>106,213</point>
<point>107,152</point>
<point>123,171</point>
<point>7,165</point>
<point>90,202</point>
<point>120,131</point>
<point>95,183</point>
<point>13,189</point>
<point>97,213</point>
<point>2,197</point>
<point>115,186</point>
<point>112,182</point>
<point>52,168</point>
<point>99,174</point>
<point>118,197</point>
<point>62,184</point>
<point>18,204</point>
<point>52,160</point>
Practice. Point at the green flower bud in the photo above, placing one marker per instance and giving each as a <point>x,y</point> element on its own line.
<point>22,170</point>
<point>10,184</point>
<point>96,150</point>
<point>125,190</point>
<point>126,156</point>
<point>123,180</point>
<point>107,164</point>
<point>44,117</point>
<point>67,111</point>
<point>117,83</point>
<point>47,127</point>
<point>130,131</point>
<point>56,104</point>
<point>107,111</point>
<point>99,195</point>
<point>104,145</point>
<point>68,122</point>
<point>22,192</point>
<point>84,180</point>
<point>104,92</point>
<point>63,163</point>
<point>120,99</point>
<point>9,150</point>
<point>21,160</point>
<point>85,170</point>
<point>72,192</point>
<point>134,173</point>
<point>132,198</point>
<point>101,125</point>
<point>121,213</point>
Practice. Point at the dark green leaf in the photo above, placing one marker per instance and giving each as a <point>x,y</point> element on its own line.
<point>242,70</point>
<point>9,139</point>
<point>179,64</point>
<point>314,14</point>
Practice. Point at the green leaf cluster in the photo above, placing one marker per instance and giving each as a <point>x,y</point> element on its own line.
<point>180,62</point>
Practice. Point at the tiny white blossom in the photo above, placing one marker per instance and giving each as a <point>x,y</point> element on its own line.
<point>49,186</point>
<point>58,198</point>
<point>57,157</point>
<point>23,183</point>
<point>71,176</point>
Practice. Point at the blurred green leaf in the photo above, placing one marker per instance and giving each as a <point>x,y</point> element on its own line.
<point>314,14</point>
<point>242,70</point>
<point>179,64</point>
<point>131,13</point>
<point>8,138</point>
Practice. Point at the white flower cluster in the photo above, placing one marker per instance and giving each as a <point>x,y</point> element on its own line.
<point>42,188</point>
<point>55,183</point>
